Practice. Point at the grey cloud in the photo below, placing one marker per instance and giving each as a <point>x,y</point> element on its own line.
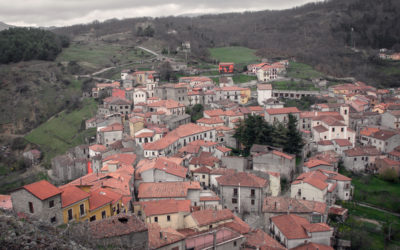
<point>66,12</point>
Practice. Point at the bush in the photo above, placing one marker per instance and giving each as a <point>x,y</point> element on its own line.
<point>18,144</point>
<point>389,175</point>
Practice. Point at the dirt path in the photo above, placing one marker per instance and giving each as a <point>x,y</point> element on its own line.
<point>378,209</point>
<point>377,223</point>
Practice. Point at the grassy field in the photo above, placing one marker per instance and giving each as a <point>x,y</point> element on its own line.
<point>370,225</point>
<point>294,85</point>
<point>372,190</point>
<point>302,71</point>
<point>243,78</point>
<point>100,55</point>
<point>63,131</point>
<point>238,55</point>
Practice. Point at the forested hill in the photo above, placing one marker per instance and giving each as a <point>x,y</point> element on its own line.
<point>317,33</point>
<point>24,44</point>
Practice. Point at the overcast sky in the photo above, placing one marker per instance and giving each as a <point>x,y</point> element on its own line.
<point>68,12</point>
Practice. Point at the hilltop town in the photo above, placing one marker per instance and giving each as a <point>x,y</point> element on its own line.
<point>205,162</point>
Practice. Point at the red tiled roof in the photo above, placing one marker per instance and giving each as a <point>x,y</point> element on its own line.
<point>243,179</point>
<point>214,112</point>
<point>315,162</point>
<point>314,178</point>
<point>166,189</point>
<point>222,171</point>
<point>238,225</point>
<point>109,193</point>
<point>118,225</point>
<point>127,159</point>
<point>223,149</point>
<point>169,236</point>
<point>296,227</point>
<point>98,148</point>
<point>312,246</point>
<point>320,129</point>
<point>361,151</point>
<point>203,169</point>
<point>210,216</point>
<point>368,131</point>
<point>209,198</point>
<point>213,120</point>
<point>71,195</point>
<point>264,86</point>
<point>281,154</point>
<point>383,134</point>
<point>97,200</point>
<point>169,104</point>
<point>278,111</point>
<point>42,189</point>
<point>160,207</point>
<point>281,204</point>
<point>112,127</point>
<point>258,239</point>
<point>343,142</point>
<point>5,202</point>
<point>325,143</point>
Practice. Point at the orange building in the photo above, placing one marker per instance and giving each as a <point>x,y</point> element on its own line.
<point>225,68</point>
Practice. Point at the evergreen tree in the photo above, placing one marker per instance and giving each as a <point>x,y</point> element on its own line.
<point>294,142</point>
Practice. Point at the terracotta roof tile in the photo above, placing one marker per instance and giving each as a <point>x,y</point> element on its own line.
<point>210,216</point>
<point>281,205</point>
<point>264,87</point>
<point>169,236</point>
<point>113,127</point>
<point>166,189</point>
<point>97,200</point>
<point>258,239</point>
<point>315,163</point>
<point>71,195</point>
<point>242,179</point>
<point>5,202</point>
<point>361,151</point>
<point>42,189</point>
<point>119,225</point>
<point>343,142</point>
<point>161,207</point>
<point>278,111</point>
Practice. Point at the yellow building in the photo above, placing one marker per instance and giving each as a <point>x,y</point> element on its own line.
<point>245,95</point>
<point>135,125</point>
<point>167,213</point>
<point>75,204</point>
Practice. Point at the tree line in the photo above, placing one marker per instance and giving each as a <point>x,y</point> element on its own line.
<point>24,44</point>
<point>255,130</point>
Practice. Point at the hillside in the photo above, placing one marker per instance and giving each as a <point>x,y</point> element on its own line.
<point>4,26</point>
<point>319,34</point>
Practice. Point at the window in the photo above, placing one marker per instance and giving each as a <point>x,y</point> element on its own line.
<point>82,209</point>
<point>355,158</point>
<point>252,202</point>
<point>31,207</point>
<point>234,201</point>
<point>156,219</point>
<point>333,129</point>
<point>53,219</point>
<point>203,176</point>
<point>103,214</point>
<point>70,217</point>
<point>168,218</point>
<point>93,218</point>
<point>51,203</point>
<point>342,129</point>
<point>235,192</point>
<point>253,192</point>
<point>234,243</point>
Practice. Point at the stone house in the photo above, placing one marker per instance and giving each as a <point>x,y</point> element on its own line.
<point>176,92</point>
<point>223,237</point>
<point>360,159</point>
<point>40,200</point>
<point>117,105</point>
<point>182,190</point>
<point>67,168</point>
<point>169,107</point>
<point>122,231</point>
<point>281,115</point>
<point>270,159</point>
<point>322,185</point>
<point>264,93</point>
<point>292,230</point>
<point>165,238</point>
<point>110,134</point>
<point>391,119</point>
<point>384,140</point>
<point>313,211</point>
<point>242,192</point>
<point>203,220</point>
<point>215,173</point>
<point>258,239</point>
<point>315,164</point>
